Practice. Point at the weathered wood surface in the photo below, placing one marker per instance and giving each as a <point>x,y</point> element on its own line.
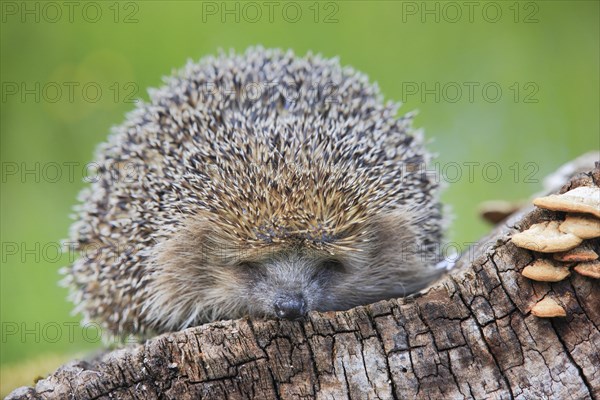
<point>470,336</point>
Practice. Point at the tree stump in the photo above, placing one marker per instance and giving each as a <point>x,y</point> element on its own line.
<point>471,335</point>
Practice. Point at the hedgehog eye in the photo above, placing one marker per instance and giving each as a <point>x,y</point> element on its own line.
<point>248,265</point>
<point>333,265</point>
<point>252,270</point>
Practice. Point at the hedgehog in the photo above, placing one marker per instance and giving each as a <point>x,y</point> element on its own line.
<point>258,184</point>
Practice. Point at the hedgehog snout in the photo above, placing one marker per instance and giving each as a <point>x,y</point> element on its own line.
<point>286,285</point>
<point>290,306</point>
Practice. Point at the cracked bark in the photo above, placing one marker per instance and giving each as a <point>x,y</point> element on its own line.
<point>469,336</point>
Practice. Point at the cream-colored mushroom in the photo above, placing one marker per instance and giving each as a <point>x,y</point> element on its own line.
<point>545,237</point>
<point>589,269</point>
<point>584,226</point>
<point>584,199</point>
<point>548,308</point>
<point>544,270</point>
<point>581,253</point>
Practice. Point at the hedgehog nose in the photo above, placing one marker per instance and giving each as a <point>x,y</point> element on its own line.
<point>290,306</point>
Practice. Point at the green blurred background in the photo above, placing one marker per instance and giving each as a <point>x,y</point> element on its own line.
<point>446,59</point>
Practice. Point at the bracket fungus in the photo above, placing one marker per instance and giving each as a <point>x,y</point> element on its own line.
<point>544,270</point>
<point>589,269</point>
<point>582,253</point>
<point>571,240</point>
<point>548,308</point>
<point>584,226</point>
<point>545,237</point>
<point>584,199</point>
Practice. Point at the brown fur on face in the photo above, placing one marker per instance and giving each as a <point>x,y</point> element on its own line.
<point>203,272</point>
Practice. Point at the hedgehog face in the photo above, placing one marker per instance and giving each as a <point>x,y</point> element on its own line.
<point>291,283</point>
<point>202,274</point>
